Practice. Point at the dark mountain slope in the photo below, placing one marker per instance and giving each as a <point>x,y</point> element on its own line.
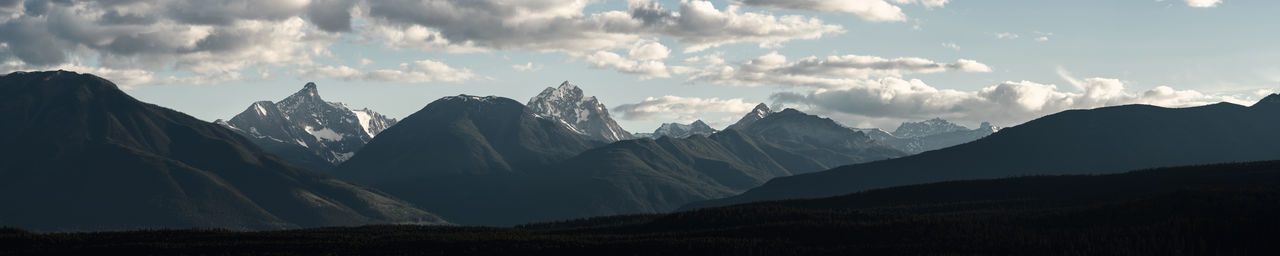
<point>654,176</point>
<point>819,138</point>
<point>464,136</point>
<point>464,156</point>
<point>82,155</point>
<point>1104,140</point>
<point>1199,210</point>
<point>491,161</point>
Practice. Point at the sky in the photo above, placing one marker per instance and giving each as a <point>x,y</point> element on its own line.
<point>863,63</point>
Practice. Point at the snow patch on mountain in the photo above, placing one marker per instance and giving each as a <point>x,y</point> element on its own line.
<point>325,134</point>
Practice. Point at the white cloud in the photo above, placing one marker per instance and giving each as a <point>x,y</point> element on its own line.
<point>673,106</point>
<point>1006,35</point>
<point>1203,3</point>
<point>527,67</point>
<point>202,40</point>
<point>645,68</point>
<point>870,10</point>
<point>644,59</point>
<point>547,25</point>
<point>831,72</point>
<point>422,71</point>
<point>1007,103</point>
<point>951,45</point>
<point>208,39</point>
<point>649,50</point>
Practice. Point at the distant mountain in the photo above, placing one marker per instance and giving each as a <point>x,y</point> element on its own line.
<point>927,128</point>
<point>917,137</point>
<point>817,138</point>
<point>653,176</point>
<point>308,131</point>
<point>461,156</point>
<point>492,161</point>
<point>1104,140</point>
<point>81,155</point>
<point>756,114</point>
<point>680,130</point>
<point>585,115</point>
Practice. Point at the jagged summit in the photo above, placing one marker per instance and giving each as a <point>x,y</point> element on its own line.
<point>678,130</point>
<point>929,135</point>
<point>568,105</point>
<point>567,85</point>
<point>926,128</point>
<point>467,97</point>
<point>759,112</point>
<point>303,122</point>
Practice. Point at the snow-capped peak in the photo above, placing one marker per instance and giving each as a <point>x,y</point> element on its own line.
<point>678,130</point>
<point>586,115</point>
<point>926,128</point>
<point>330,129</point>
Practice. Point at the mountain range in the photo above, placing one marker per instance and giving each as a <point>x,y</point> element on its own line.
<point>308,131</point>
<point>86,156</point>
<point>81,155</point>
<point>475,160</point>
<point>679,130</point>
<point>1103,140</point>
<point>932,134</point>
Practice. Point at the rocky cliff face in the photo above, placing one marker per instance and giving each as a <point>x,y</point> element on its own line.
<point>566,104</point>
<point>308,131</point>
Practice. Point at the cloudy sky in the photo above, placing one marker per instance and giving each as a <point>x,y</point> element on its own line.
<point>865,63</point>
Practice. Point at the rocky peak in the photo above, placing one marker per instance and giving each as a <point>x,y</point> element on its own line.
<point>677,130</point>
<point>568,105</point>
<point>329,130</point>
<point>308,97</point>
<point>926,128</point>
<point>759,112</point>
<point>986,126</point>
<point>700,124</point>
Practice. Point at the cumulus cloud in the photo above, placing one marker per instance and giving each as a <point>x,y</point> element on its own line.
<point>644,59</point>
<point>870,10</point>
<point>1203,3</point>
<point>831,72</point>
<point>1006,35</point>
<point>223,37</point>
<point>205,38</point>
<point>553,25</point>
<point>1006,103</point>
<point>674,106</point>
<point>529,66</point>
<point>422,71</point>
